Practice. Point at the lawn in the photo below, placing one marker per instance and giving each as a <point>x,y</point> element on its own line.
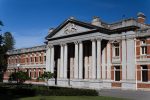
<point>70,98</point>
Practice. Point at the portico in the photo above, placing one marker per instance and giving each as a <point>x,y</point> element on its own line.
<point>76,60</point>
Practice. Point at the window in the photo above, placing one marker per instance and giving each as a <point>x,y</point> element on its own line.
<point>143,47</point>
<point>40,59</point>
<point>34,73</point>
<point>39,73</point>
<point>30,74</point>
<point>44,58</point>
<point>35,59</point>
<point>117,73</point>
<point>144,74</point>
<point>116,49</point>
<point>143,50</point>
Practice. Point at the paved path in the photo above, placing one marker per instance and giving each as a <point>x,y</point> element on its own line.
<point>129,94</point>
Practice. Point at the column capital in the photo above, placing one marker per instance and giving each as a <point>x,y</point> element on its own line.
<point>63,44</point>
<point>76,42</point>
<point>99,39</point>
<point>50,46</point>
<point>93,39</point>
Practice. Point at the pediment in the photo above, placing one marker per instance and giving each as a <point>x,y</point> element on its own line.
<point>71,27</point>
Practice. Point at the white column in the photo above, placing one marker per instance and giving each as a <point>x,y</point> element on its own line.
<point>52,59</point>
<point>124,50</point>
<point>108,61</point>
<point>104,63</point>
<point>62,61</point>
<point>48,54</point>
<point>98,58</point>
<point>76,61</point>
<point>65,60</point>
<point>93,59</point>
<point>80,60</point>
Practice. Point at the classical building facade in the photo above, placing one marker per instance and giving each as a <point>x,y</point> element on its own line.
<point>99,55</point>
<point>32,60</point>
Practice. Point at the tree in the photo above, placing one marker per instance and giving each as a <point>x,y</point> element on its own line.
<point>19,76</point>
<point>9,41</point>
<point>1,24</point>
<point>46,76</point>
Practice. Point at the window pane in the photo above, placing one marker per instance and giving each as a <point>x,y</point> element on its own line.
<point>144,74</point>
<point>117,73</point>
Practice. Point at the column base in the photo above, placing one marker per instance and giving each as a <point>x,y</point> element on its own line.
<point>62,82</point>
<point>86,83</point>
<point>129,85</point>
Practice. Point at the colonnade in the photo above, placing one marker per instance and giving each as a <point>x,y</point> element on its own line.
<point>78,60</point>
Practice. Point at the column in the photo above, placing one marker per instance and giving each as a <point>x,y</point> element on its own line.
<point>65,60</point>
<point>48,54</point>
<point>52,59</point>
<point>62,61</point>
<point>98,58</point>
<point>76,61</point>
<point>108,61</point>
<point>124,59</point>
<point>80,60</point>
<point>93,59</point>
<point>104,63</point>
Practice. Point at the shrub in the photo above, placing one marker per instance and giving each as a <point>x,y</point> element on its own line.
<point>31,90</point>
<point>19,76</point>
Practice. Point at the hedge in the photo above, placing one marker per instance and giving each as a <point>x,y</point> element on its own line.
<point>31,90</point>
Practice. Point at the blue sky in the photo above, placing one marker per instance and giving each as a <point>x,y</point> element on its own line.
<point>29,20</point>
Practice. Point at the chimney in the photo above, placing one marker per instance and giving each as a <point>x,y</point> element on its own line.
<point>50,30</point>
<point>141,17</point>
<point>96,21</point>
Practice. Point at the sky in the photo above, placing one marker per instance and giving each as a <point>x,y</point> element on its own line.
<point>30,20</point>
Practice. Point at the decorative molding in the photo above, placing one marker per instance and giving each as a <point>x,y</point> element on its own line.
<point>70,28</point>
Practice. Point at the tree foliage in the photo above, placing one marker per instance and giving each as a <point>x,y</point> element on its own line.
<point>19,76</point>
<point>1,23</point>
<point>9,41</point>
<point>47,75</point>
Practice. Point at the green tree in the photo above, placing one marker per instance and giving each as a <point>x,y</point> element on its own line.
<point>19,76</point>
<point>9,41</point>
<point>46,76</point>
<point>1,24</point>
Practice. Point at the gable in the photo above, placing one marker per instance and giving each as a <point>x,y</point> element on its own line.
<point>69,29</point>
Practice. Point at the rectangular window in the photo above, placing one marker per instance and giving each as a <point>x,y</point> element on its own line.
<point>44,58</point>
<point>116,49</point>
<point>35,59</point>
<point>40,59</point>
<point>117,73</point>
<point>34,74</point>
<point>143,50</point>
<point>144,74</point>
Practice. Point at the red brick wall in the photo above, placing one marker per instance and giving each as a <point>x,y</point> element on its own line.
<point>138,72</point>
<point>115,84</point>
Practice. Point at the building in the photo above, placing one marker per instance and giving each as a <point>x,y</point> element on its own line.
<point>32,60</point>
<point>100,55</point>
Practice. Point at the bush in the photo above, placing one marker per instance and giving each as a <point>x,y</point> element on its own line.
<point>19,76</point>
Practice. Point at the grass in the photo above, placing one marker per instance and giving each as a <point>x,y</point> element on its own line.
<point>70,98</point>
